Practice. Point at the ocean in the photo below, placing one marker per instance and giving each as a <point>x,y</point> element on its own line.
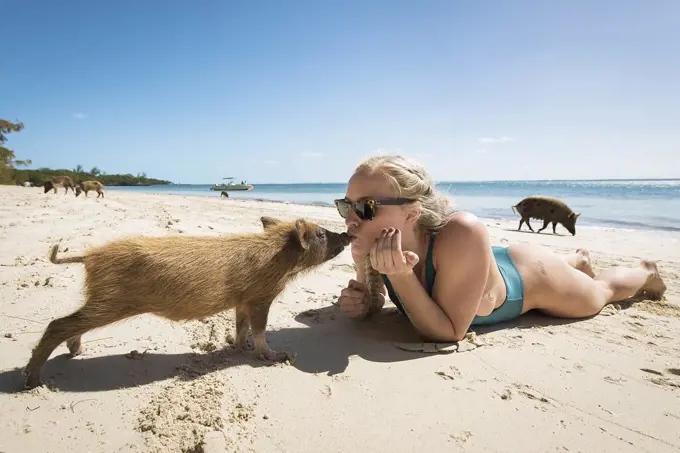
<point>627,204</point>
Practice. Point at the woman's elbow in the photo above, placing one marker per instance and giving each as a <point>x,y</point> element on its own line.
<point>451,338</point>
<point>450,335</point>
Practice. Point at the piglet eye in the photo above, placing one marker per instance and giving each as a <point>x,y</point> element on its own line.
<point>321,233</point>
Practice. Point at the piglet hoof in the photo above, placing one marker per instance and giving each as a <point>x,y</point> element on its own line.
<point>273,356</point>
<point>32,381</point>
<point>75,349</point>
<point>243,347</point>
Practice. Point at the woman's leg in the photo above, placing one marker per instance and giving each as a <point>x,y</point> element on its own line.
<point>553,285</point>
<point>642,281</point>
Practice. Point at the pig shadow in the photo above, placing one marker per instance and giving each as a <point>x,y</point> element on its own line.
<point>324,345</point>
<point>117,371</point>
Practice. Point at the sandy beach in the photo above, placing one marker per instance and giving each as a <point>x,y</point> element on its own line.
<point>537,384</point>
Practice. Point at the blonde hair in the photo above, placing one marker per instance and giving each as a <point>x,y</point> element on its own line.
<point>409,179</point>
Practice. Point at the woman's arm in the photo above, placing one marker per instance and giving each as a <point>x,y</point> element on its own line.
<point>355,300</point>
<point>463,254</point>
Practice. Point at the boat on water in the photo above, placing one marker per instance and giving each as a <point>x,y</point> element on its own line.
<point>230,185</point>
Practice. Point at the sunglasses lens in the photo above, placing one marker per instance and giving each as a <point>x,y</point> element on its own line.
<point>343,208</point>
<point>360,209</point>
<point>365,210</point>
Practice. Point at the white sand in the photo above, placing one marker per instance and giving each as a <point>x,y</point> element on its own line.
<point>536,385</point>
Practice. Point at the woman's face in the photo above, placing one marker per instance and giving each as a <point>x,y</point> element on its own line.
<point>363,233</point>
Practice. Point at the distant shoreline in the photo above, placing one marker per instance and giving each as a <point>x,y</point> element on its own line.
<point>480,181</point>
<point>592,222</point>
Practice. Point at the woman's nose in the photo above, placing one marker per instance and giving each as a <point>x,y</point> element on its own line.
<point>351,221</point>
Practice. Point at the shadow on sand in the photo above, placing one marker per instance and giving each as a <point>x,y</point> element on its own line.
<point>323,346</point>
<point>536,318</point>
<point>544,232</point>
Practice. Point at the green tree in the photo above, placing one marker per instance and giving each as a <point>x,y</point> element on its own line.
<point>6,127</point>
<point>95,172</point>
<point>7,156</point>
<point>79,169</point>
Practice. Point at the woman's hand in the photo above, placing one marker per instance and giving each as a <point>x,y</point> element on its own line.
<point>387,256</point>
<point>353,300</point>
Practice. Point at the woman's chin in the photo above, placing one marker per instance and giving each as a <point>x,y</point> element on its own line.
<point>357,248</point>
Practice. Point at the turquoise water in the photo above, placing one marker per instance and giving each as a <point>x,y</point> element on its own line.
<point>631,204</point>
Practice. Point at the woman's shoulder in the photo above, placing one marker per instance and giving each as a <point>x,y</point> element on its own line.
<point>463,232</point>
<point>462,225</point>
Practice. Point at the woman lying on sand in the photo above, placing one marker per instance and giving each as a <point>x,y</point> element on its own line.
<point>441,270</point>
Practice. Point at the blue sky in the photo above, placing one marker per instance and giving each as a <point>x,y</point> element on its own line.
<point>300,91</point>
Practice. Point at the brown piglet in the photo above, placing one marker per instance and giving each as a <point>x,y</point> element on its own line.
<point>58,182</point>
<point>183,278</point>
<point>87,186</point>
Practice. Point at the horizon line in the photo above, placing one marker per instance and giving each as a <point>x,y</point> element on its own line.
<point>450,181</point>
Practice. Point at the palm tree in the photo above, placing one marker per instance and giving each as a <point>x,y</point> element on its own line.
<point>95,172</point>
<point>23,163</point>
<point>79,169</point>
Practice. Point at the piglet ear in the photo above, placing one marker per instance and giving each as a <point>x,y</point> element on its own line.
<point>302,230</point>
<point>268,222</point>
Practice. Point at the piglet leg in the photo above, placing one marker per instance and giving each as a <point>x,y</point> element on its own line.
<point>258,324</point>
<point>242,329</point>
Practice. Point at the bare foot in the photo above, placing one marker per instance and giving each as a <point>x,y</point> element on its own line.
<point>581,262</point>
<point>655,288</point>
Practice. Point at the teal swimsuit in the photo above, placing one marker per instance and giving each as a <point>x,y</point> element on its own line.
<point>512,306</point>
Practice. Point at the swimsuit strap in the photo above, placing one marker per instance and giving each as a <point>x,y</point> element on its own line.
<point>430,271</point>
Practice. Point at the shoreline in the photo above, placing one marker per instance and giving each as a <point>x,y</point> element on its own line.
<point>606,224</point>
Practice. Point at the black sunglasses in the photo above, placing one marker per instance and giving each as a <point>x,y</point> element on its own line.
<point>367,209</point>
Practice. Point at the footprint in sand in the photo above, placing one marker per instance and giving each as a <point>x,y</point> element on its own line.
<point>444,375</point>
<point>615,381</point>
<point>527,391</point>
<point>506,395</point>
<point>666,382</point>
<point>462,437</point>
<point>451,374</point>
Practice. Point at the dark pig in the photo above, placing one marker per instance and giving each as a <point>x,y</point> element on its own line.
<point>60,181</point>
<point>548,209</point>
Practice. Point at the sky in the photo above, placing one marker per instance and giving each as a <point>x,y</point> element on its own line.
<point>302,91</point>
